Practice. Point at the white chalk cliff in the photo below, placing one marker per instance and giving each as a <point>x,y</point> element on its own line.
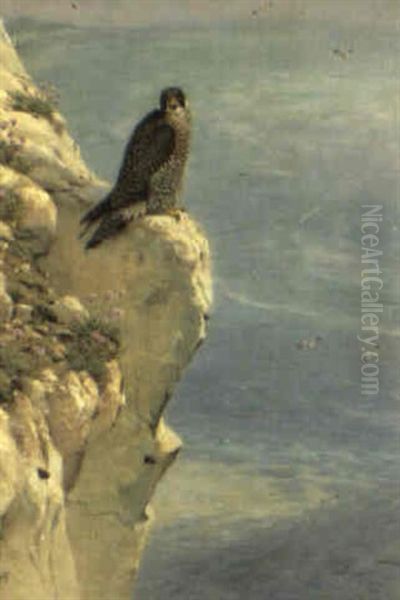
<point>91,347</point>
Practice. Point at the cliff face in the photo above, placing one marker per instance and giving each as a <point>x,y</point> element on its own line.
<point>91,347</point>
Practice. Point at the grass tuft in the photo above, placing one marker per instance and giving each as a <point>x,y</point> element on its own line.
<point>9,206</point>
<point>14,363</point>
<point>41,104</point>
<point>94,343</point>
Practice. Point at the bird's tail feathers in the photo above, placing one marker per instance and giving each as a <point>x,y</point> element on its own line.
<point>94,214</point>
<point>96,211</point>
<point>114,222</point>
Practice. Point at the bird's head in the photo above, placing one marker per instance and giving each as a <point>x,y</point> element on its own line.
<point>173,101</point>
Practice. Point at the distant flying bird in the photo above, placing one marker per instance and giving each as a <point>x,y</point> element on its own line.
<point>308,343</point>
<point>150,177</point>
<point>343,54</point>
<point>74,5</point>
<point>263,7</point>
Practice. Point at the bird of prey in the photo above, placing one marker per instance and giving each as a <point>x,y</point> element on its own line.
<point>150,177</point>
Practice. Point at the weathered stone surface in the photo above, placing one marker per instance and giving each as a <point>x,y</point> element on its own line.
<point>69,309</point>
<point>33,525</point>
<point>9,465</point>
<point>38,214</point>
<point>6,304</point>
<point>23,312</point>
<point>161,291</point>
<point>5,232</point>
<point>34,211</point>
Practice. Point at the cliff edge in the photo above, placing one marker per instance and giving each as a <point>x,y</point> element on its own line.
<point>91,347</point>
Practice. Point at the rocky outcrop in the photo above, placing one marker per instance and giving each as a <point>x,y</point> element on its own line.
<point>91,348</point>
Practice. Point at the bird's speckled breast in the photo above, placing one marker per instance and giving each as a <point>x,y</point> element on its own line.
<point>166,184</point>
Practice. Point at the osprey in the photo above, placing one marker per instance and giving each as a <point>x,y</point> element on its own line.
<point>150,177</point>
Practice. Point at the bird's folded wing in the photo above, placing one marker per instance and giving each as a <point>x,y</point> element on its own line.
<point>151,145</point>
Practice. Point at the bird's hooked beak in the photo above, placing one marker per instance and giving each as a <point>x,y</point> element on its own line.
<point>175,107</point>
